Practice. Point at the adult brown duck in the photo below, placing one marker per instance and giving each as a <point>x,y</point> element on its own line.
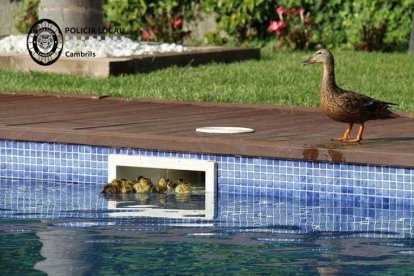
<point>346,106</point>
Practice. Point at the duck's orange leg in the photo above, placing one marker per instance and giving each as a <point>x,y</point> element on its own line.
<point>344,137</point>
<point>359,135</point>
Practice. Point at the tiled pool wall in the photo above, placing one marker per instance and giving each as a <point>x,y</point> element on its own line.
<point>303,215</point>
<point>242,175</point>
<point>236,212</point>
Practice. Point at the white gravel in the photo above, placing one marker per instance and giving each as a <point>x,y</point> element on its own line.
<point>110,47</point>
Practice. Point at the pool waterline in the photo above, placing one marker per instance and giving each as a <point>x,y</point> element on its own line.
<point>28,199</point>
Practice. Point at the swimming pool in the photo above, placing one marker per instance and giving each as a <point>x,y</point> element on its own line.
<point>62,228</point>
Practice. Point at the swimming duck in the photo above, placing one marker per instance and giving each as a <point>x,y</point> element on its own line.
<point>126,187</point>
<point>346,106</point>
<point>113,187</point>
<point>110,189</point>
<point>142,185</point>
<point>117,182</point>
<point>162,185</point>
<point>171,186</point>
<point>182,187</point>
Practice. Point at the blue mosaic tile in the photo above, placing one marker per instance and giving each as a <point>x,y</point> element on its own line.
<point>236,174</point>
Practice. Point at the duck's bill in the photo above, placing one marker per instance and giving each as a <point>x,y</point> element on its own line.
<point>308,61</point>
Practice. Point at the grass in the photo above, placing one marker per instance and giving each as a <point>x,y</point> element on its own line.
<point>279,78</point>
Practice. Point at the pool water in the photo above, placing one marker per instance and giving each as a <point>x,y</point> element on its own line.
<point>72,229</point>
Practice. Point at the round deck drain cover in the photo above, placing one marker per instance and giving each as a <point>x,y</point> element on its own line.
<point>224,130</point>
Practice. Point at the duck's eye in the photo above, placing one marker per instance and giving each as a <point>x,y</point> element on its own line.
<point>318,53</point>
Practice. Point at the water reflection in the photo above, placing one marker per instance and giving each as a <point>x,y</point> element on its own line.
<point>77,230</point>
<point>240,213</point>
<point>64,252</point>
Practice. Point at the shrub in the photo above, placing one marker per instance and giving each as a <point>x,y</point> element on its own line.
<point>359,24</point>
<point>150,19</point>
<point>293,27</point>
<point>354,24</point>
<point>242,19</point>
<point>379,24</point>
<point>27,15</point>
<point>327,22</point>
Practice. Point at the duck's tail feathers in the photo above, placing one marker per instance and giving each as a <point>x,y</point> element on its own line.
<point>391,114</point>
<point>389,104</point>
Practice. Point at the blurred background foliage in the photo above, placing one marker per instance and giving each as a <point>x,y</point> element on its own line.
<point>151,20</point>
<point>375,25</point>
<point>26,15</point>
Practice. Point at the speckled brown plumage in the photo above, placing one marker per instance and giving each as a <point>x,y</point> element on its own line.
<point>343,105</point>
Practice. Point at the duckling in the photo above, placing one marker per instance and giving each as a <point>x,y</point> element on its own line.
<point>346,106</point>
<point>110,189</point>
<point>182,187</point>
<point>113,187</point>
<point>171,186</point>
<point>162,185</point>
<point>142,185</point>
<point>117,182</point>
<point>126,187</point>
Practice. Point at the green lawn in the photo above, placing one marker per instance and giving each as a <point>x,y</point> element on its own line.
<point>279,78</point>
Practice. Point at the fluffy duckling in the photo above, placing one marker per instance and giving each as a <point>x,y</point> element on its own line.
<point>126,187</point>
<point>113,187</point>
<point>142,185</point>
<point>171,186</point>
<point>110,189</point>
<point>182,187</point>
<point>117,182</point>
<point>162,185</point>
<point>343,105</point>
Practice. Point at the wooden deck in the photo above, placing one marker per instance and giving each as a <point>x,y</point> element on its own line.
<point>280,132</point>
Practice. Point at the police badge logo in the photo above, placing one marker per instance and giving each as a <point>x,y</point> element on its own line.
<point>45,42</point>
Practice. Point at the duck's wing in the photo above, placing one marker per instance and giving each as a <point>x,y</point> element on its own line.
<point>373,108</point>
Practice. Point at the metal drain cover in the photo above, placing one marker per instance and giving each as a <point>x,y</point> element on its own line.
<point>224,130</point>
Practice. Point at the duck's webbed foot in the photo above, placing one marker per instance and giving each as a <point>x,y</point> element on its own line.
<point>345,137</point>
<point>358,137</point>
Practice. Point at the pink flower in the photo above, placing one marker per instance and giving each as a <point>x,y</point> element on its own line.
<point>280,26</point>
<point>272,26</point>
<point>280,11</point>
<point>292,11</point>
<point>276,26</point>
<point>178,22</point>
<point>147,35</point>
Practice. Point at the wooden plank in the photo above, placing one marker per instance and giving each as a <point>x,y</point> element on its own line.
<point>170,122</point>
<point>75,112</point>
